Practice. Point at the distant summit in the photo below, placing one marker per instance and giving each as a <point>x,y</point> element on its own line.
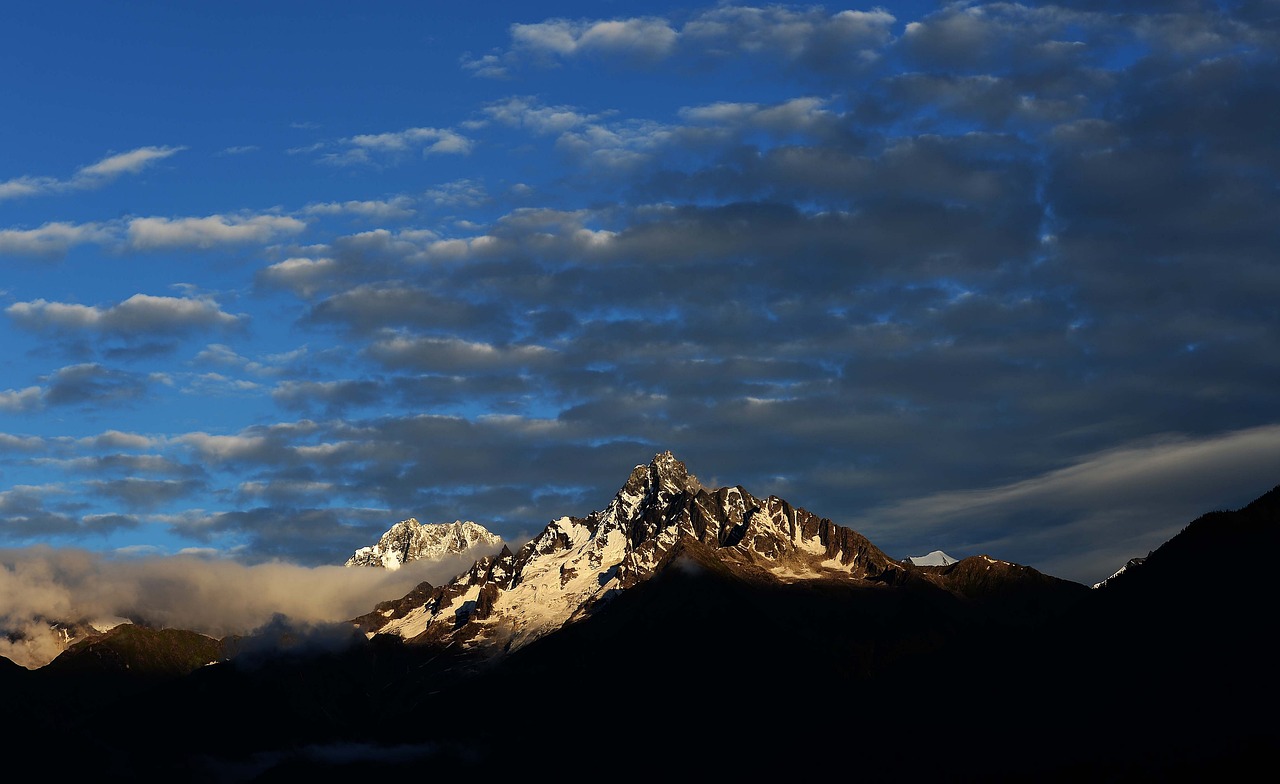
<point>409,540</point>
<point>935,558</point>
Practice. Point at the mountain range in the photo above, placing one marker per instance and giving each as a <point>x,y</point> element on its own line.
<point>690,631</point>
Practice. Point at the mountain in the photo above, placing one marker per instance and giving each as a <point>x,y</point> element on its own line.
<point>689,631</point>
<point>935,558</point>
<point>409,540</point>
<point>661,518</point>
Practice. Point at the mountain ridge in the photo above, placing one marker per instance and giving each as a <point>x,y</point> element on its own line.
<point>577,564</point>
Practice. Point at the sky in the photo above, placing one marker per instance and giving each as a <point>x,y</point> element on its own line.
<point>985,278</point>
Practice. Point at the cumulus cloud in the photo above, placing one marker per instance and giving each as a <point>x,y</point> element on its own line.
<point>157,233</point>
<point>305,276</point>
<point>92,383</point>
<point>52,239</point>
<point>139,314</point>
<point>640,38</point>
<point>18,400</point>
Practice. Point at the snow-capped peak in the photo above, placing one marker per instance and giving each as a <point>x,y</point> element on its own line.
<point>576,563</point>
<point>935,558</point>
<point>409,540</point>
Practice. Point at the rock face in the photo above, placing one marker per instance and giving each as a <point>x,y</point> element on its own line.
<point>409,540</point>
<point>662,515</point>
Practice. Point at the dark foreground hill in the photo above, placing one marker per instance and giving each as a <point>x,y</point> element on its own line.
<point>984,671</point>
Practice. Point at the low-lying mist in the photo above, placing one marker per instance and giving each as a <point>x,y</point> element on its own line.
<point>40,586</point>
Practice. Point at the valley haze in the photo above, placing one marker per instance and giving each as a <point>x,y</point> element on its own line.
<point>977,278</point>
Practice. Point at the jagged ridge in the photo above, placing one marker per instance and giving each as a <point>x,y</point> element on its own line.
<point>510,599</point>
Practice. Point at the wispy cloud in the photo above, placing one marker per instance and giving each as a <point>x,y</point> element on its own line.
<point>394,146</point>
<point>94,175</point>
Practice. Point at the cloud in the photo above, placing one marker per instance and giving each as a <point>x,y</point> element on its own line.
<point>376,306</point>
<point>304,276</point>
<point>331,397</point>
<point>449,355</point>
<point>90,383</point>
<point>137,493</point>
<point>371,148</point>
<point>387,209</point>
<point>56,239</point>
<point>139,314</point>
<point>156,233</point>
<point>94,175</point>
<point>25,512</point>
<point>1125,501</point>
<point>19,400</point>
<point>807,38</point>
<point>130,162</point>
<point>467,193</point>
<point>210,596</point>
<point>641,39</point>
<point>51,239</point>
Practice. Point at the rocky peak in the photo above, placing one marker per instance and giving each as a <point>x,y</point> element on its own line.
<point>576,563</point>
<point>409,540</point>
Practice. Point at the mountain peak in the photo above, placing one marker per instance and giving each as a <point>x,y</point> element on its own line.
<point>409,540</point>
<point>577,563</point>
<point>935,558</point>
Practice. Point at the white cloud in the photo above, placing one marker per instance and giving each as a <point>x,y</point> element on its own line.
<point>51,239</point>
<point>155,233</point>
<point>93,175</point>
<point>645,38</point>
<point>385,209</point>
<point>140,313</point>
<point>527,112</point>
<point>224,447</point>
<point>809,37</point>
<point>130,162</point>
<point>19,400</point>
<point>370,147</point>
<point>303,276</point>
<point>191,591</point>
<point>454,354</point>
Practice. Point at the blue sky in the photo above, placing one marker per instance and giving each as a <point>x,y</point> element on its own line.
<point>986,278</point>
